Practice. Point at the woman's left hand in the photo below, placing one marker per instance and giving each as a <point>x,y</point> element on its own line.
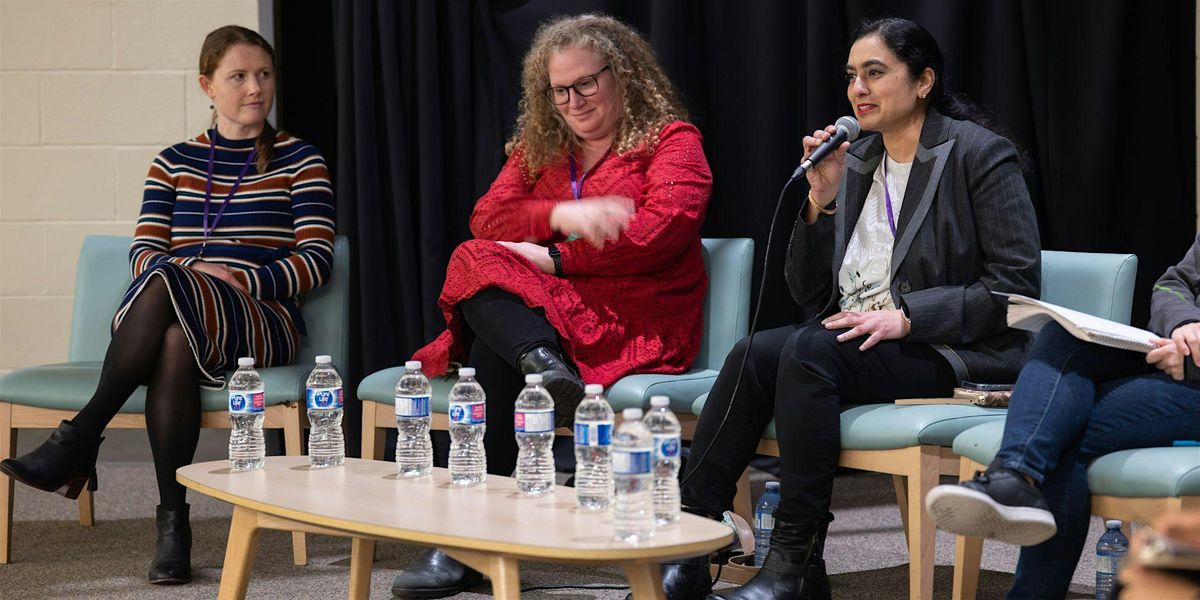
<point>538,255</point>
<point>1168,358</point>
<point>880,324</point>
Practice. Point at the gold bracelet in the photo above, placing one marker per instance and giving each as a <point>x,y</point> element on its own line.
<point>820,209</point>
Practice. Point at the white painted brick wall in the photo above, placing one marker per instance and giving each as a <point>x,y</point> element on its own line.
<point>90,91</point>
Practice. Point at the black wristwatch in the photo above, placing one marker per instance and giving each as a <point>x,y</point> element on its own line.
<point>556,256</point>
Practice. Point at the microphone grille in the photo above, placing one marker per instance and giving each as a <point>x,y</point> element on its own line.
<point>850,124</point>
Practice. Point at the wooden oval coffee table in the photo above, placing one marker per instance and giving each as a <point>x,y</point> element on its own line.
<point>489,527</point>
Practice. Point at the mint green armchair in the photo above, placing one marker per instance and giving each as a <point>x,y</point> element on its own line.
<point>39,397</point>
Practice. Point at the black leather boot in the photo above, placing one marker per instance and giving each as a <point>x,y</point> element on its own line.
<point>793,569</point>
<point>173,548</point>
<point>434,575</point>
<point>558,378</point>
<point>62,464</point>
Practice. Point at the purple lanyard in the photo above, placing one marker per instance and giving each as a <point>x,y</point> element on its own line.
<point>208,228</point>
<point>577,184</point>
<point>887,198</point>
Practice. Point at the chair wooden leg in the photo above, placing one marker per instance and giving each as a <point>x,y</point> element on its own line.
<point>8,447</point>
<point>900,482</point>
<point>968,551</point>
<point>293,436</point>
<point>921,527</point>
<point>372,442</point>
<point>743,501</point>
<point>87,507</point>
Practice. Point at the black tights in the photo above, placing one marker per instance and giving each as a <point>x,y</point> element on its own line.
<point>151,347</point>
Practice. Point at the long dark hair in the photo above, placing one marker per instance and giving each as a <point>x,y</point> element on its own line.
<point>213,50</point>
<point>915,46</point>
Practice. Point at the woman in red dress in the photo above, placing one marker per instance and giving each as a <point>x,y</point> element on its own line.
<point>586,263</point>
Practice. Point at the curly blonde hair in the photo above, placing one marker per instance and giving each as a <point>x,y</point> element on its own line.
<point>650,101</point>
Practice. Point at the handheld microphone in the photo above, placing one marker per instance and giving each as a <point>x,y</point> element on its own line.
<point>847,131</point>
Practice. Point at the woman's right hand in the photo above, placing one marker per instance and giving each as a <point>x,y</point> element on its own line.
<point>219,271</point>
<point>826,176</point>
<point>597,220</point>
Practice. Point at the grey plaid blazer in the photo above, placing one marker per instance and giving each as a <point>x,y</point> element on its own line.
<point>966,228</point>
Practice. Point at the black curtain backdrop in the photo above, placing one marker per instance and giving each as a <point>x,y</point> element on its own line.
<point>411,102</point>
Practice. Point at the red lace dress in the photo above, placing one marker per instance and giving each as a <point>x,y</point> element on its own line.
<point>634,306</point>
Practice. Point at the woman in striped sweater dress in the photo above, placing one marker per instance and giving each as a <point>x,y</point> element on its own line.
<point>235,225</point>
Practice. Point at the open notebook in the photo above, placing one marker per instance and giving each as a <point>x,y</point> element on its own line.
<point>1031,315</point>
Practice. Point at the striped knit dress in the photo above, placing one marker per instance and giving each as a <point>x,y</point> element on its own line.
<point>276,234</point>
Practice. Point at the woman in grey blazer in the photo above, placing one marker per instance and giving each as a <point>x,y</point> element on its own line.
<point>903,237</point>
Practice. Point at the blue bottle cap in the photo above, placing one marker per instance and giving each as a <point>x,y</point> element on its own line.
<point>773,485</point>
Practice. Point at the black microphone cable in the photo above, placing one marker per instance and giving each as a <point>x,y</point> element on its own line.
<point>762,282</point>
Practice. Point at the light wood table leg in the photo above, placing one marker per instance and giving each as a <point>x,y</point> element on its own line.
<point>239,554</point>
<point>293,439</point>
<point>504,571</point>
<point>8,447</point>
<point>362,554</point>
<point>645,580</point>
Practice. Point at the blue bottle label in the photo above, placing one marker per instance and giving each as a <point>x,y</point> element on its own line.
<point>764,520</point>
<point>666,447</point>
<point>533,421</point>
<point>468,414</point>
<point>246,402</point>
<point>593,434</point>
<point>412,407</point>
<point>634,461</point>
<point>1107,564</point>
<point>324,398</point>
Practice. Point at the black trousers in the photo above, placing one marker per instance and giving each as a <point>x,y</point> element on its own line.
<point>799,375</point>
<point>504,329</point>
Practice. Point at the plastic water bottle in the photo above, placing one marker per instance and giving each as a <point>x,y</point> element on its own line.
<point>764,521</point>
<point>533,420</point>
<point>664,430</point>
<point>593,445</point>
<point>246,404</point>
<point>1112,547</point>
<point>468,421</point>
<point>414,450</point>
<point>326,446</point>
<point>633,508</point>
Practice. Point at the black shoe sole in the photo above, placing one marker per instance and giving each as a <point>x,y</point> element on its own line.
<point>567,394</point>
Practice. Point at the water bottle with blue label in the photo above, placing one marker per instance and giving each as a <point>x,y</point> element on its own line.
<point>764,521</point>
<point>533,421</point>
<point>414,450</point>
<point>593,443</point>
<point>1112,547</point>
<point>323,390</point>
<point>665,431</point>
<point>247,450</point>
<point>468,422</point>
<point>633,508</point>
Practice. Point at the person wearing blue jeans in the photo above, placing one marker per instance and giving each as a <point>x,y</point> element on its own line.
<point>1073,402</point>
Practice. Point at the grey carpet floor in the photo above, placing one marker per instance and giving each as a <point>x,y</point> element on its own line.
<point>53,557</point>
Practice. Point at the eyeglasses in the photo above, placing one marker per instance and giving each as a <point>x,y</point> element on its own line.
<point>586,86</point>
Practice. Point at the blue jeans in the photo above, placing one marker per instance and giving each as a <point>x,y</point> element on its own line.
<point>1073,402</point>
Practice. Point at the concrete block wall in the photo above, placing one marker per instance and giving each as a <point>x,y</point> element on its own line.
<point>90,91</point>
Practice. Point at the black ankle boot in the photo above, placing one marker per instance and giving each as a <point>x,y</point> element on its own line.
<point>62,464</point>
<point>434,575</point>
<point>173,549</point>
<point>558,378</point>
<point>793,569</point>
